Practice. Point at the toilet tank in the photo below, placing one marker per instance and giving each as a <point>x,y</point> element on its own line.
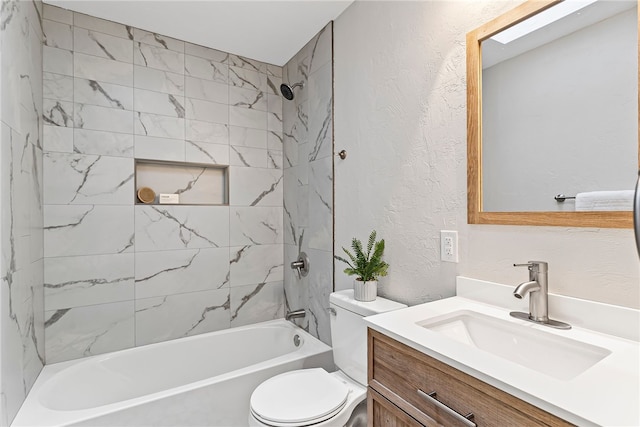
<point>349,332</point>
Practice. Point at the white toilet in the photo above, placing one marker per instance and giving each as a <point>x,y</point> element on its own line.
<point>314,396</point>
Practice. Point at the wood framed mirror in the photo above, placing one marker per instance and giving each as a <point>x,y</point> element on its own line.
<point>521,151</point>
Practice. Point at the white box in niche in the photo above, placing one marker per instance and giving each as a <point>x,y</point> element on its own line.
<point>169,199</point>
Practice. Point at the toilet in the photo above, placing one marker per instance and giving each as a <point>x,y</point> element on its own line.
<point>314,396</point>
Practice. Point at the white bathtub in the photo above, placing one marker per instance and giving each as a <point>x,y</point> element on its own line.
<point>204,380</point>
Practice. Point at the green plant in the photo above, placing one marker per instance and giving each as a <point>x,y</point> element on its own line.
<point>367,266</point>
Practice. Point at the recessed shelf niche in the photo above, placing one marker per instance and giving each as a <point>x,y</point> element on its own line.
<point>195,183</point>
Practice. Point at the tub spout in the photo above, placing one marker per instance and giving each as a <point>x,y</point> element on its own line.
<point>524,288</point>
<point>297,313</point>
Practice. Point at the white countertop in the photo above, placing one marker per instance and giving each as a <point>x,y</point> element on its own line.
<point>607,394</point>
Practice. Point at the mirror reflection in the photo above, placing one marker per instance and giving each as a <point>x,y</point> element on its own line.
<point>560,110</point>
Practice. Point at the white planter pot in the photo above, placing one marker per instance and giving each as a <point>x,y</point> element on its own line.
<point>365,291</point>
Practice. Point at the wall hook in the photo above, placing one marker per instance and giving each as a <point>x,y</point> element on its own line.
<point>342,154</point>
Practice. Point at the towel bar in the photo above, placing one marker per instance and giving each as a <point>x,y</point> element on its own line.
<point>560,198</point>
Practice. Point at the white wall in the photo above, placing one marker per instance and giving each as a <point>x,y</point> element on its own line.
<point>400,112</point>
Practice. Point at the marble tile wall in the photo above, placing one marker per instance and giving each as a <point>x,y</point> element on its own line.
<point>117,274</point>
<point>21,221</point>
<point>308,181</point>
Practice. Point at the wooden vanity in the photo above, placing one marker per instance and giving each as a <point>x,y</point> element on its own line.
<point>401,379</point>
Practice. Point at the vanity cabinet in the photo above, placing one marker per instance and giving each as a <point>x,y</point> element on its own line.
<point>402,382</point>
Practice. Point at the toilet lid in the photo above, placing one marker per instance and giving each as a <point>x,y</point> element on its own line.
<point>299,397</point>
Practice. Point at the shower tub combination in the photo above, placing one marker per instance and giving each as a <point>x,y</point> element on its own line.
<point>201,380</point>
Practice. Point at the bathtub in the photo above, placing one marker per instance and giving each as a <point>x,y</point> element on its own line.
<point>204,380</point>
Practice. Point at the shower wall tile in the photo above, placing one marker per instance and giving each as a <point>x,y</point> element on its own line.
<point>320,114</point>
<point>177,316</point>
<point>212,133</point>
<point>248,98</point>
<point>87,230</point>
<point>321,53</point>
<point>256,264</point>
<point>247,137</point>
<point>57,14</point>
<point>274,70</point>
<point>102,143</point>
<point>321,204</point>
<point>58,139</point>
<point>203,152</point>
<point>102,94</point>
<point>248,157</point>
<point>88,280</point>
<point>93,117</point>
<point>147,147</point>
<point>158,58</point>
<point>255,187</point>
<point>274,159</point>
<point>257,303</point>
<point>206,90</point>
<point>100,69</point>
<point>307,158</point>
<point>102,45</point>
<point>159,126</point>
<point>158,40</point>
<point>207,69</point>
<point>206,111</point>
<point>57,113</point>
<point>21,241</point>
<point>57,61</point>
<point>153,102</point>
<point>86,179</point>
<point>206,53</point>
<point>171,272</point>
<point>320,286</point>
<point>245,117</point>
<point>162,227</point>
<point>57,34</point>
<point>247,79</point>
<point>72,333</point>
<point>247,63</point>
<point>256,226</point>
<point>275,140</point>
<point>102,25</point>
<point>158,80</point>
<point>112,94</point>
<point>274,121</point>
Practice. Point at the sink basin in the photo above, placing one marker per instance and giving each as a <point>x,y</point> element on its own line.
<point>559,357</point>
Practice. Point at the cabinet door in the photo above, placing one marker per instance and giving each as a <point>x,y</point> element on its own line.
<point>428,389</point>
<point>382,413</point>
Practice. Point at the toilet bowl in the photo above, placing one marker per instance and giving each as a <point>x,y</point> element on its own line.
<point>314,396</point>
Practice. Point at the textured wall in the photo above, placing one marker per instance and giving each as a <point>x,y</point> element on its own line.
<point>308,181</point>
<point>21,236</point>
<point>400,111</point>
<point>119,275</point>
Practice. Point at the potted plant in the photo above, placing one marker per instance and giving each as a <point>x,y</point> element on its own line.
<point>368,266</point>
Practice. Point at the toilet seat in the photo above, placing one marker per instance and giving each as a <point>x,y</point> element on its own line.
<point>299,398</point>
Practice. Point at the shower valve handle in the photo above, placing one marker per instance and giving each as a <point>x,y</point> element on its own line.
<point>301,265</point>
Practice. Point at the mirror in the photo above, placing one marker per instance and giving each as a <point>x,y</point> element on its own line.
<point>552,95</point>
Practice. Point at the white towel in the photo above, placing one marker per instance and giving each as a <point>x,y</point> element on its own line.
<point>605,201</point>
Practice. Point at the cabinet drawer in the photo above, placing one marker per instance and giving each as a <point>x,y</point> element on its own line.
<point>383,413</point>
<point>406,376</point>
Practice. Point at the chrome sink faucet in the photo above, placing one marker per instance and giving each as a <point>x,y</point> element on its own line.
<point>537,288</point>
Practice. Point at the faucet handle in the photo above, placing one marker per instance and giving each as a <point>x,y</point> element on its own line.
<point>539,266</point>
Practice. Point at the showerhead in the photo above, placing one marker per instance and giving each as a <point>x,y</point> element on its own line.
<point>287,91</point>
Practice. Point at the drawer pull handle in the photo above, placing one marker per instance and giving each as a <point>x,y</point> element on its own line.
<point>466,419</point>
